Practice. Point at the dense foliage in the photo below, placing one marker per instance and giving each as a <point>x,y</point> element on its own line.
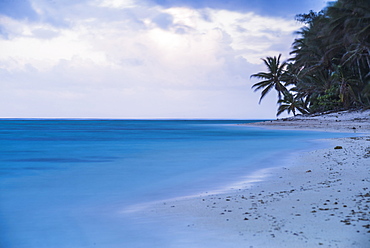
<point>330,64</point>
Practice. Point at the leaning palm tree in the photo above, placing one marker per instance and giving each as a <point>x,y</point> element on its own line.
<point>291,103</point>
<point>273,78</point>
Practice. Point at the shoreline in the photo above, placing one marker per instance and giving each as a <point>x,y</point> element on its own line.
<point>318,198</point>
<point>357,121</point>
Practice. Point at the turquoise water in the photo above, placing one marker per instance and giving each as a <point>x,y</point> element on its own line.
<point>65,183</point>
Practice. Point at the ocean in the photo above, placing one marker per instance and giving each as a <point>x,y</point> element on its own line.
<point>73,183</point>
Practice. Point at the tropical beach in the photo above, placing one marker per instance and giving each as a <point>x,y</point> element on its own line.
<point>135,123</point>
<point>318,198</point>
<point>348,121</point>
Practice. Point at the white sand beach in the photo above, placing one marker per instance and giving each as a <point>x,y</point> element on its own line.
<point>344,121</point>
<point>319,198</point>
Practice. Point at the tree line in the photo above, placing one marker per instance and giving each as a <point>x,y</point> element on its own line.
<point>330,65</point>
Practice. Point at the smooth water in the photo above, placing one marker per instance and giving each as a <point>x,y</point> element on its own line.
<point>66,183</point>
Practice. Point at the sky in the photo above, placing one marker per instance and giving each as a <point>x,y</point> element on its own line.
<point>139,59</point>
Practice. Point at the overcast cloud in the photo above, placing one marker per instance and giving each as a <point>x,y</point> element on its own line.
<point>137,59</point>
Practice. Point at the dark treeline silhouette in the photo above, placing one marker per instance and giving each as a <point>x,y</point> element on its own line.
<point>330,65</point>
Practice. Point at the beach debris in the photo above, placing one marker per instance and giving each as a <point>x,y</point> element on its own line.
<point>338,147</point>
<point>346,222</point>
<point>308,171</point>
<point>324,209</point>
<point>367,154</point>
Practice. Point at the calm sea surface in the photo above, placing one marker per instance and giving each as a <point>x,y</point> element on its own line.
<point>65,183</point>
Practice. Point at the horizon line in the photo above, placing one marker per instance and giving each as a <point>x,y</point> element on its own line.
<point>124,118</point>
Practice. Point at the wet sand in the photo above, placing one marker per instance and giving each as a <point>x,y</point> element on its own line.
<point>319,198</point>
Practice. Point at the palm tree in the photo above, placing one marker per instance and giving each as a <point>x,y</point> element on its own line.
<point>291,103</point>
<point>273,78</point>
<point>330,67</point>
<point>337,37</point>
<point>349,28</point>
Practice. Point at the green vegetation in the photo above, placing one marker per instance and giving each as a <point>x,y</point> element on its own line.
<point>330,65</point>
